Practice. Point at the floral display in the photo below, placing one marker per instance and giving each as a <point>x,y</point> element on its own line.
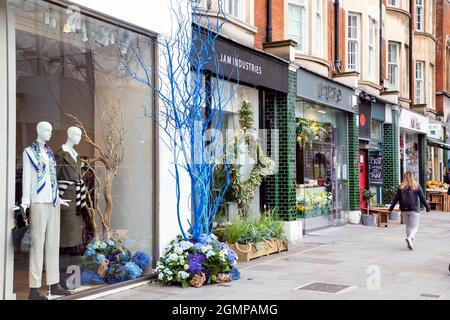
<point>196,264</point>
<point>110,262</point>
<point>314,202</point>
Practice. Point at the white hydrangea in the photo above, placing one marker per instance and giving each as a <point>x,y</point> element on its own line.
<point>178,250</point>
<point>161,276</point>
<point>184,275</point>
<point>173,257</point>
<point>186,267</point>
<point>210,254</point>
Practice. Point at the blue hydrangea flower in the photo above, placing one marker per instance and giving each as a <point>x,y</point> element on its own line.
<point>142,260</point>
<point>89,252</point>
<point>110,243</point>
<point>195,262</point>
<point>96,245</point>
<point>100,257</point>
<point>115,273</point>
<point>185,245</point>
<point>231,256</point>
<point>235,274</point>
<point>132,271</point>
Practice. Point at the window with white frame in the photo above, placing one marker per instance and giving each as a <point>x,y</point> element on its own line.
<point>431,86</point>
<point>419,15</point>
<point>297,23</point>
<point>393,67</point>
<point>430,16</point>
<point>235,8</point>
<point>372,24</point>
<point>319,36</point>
<point>420,95</point>
<point>393,3</point>
<point>353,42</point>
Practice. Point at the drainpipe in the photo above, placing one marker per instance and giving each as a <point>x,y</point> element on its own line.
<point>411,64</point>
<point>269,21</point>
<point>337,60</point>
<point>381,44</point>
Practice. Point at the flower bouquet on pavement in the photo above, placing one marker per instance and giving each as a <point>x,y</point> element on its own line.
<point>187,263</point>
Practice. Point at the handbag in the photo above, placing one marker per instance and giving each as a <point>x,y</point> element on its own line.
<point>21,233</point>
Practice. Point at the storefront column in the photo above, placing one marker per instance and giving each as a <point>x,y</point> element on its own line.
<point>391,154</point>
<point>3,138</point>
<point>423,160</point>
<point>280,115</point>
<point>353,164</point>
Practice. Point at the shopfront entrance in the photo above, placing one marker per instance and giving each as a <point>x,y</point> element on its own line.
<point>322,112</point>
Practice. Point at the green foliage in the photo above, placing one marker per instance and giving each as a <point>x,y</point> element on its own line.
<point>388,194</point>
<point>368,195</point>
<point>251,230</point>
<point>245,115</point>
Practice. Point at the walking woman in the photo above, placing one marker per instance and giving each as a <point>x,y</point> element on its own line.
<point>408,195</point>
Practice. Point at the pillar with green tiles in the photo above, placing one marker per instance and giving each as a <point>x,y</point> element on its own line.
<point>280,116</point>
<point>391,154</point>
<point>353,165</point>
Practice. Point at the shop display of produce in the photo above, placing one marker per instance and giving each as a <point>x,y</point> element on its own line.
<point>437,185</point>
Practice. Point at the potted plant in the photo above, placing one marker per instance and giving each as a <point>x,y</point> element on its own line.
<point>254,237</point>
<point>367,218</point>
<point>388,196</point>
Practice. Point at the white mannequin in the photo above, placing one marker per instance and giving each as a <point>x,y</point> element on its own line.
<point>45,215</point>
<point>73,139</point>
<point>44,133</point>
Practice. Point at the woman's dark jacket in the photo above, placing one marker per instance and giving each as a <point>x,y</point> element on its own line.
<point>411,205</point>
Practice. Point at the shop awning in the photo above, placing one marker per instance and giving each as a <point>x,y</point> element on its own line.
<point>438,144</point>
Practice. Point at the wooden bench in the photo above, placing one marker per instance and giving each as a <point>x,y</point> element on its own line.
<point>382,215</point>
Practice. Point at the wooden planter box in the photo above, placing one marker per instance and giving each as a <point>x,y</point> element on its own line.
<point>246,252</point>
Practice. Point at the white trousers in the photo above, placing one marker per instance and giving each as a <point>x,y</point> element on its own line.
<point>44,226</point>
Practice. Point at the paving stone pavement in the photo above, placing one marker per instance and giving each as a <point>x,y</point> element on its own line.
<point>373,261</point>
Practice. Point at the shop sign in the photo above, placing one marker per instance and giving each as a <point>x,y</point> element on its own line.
<point>365,120</point>
<point>321,90</point>
<point>239,63</point>
<point>436,131</point>
<point>376,163</point>
<point>413,121</point>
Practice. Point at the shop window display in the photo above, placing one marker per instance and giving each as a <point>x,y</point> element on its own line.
<point>321,163</point>
<point>93,153</point>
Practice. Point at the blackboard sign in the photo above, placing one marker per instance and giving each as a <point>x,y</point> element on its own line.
<point>376,169</point>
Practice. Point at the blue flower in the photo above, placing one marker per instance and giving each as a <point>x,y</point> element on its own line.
<point>96,245</point>
<point>195,262</point>
<point>124,256</point>
<point>235,274</point>
<point>132,271</point>
<point>186,245</point>
<point>231,256</point>
<point>142,260</point>
<point>89,252</point>
<point>111,243</point>
<point>100,257</point>
<point>115,273</point>
<point>103,245</point>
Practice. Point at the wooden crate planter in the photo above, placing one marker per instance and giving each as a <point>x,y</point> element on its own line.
<point>246,252</point>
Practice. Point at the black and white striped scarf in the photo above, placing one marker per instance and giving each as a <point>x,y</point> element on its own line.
<point>80,189</point>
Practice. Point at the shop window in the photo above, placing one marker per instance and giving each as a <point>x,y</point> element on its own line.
<point>73,67</point>
<point>321,162</point>
<point>376,130</point>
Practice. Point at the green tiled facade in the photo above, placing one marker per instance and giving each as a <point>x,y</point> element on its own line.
<point>280,115</point>
<point>353,165</point>
<point>423,160</point>
<point>391,154</point>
